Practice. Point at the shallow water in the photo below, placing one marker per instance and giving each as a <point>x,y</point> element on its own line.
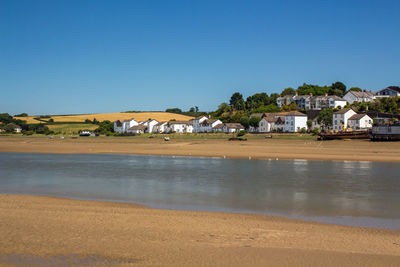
<point>352,193</point>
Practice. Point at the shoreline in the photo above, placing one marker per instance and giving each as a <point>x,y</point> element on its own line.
<point>133,234</point>
<point>305,219</point>
<point>282,149</point>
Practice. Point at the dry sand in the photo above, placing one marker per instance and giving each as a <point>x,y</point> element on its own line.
<point>47,230</point>
<point>354,150</point>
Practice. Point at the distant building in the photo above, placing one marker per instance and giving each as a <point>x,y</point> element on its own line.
<point>160,127</point>
<point>17,129</point>
<point>232,127</point>
<point>122,126</point>
<point>359,122</point>
<point>295,121</point>
<point>196,123</point>
<point>340,118</point>
<point>267,124</point>
<point>389,91</point>
<point>310,102</point>
<point>355,96</point>
<point>179,127</point>
<point>137,129</point>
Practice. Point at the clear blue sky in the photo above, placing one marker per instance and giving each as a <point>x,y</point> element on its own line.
<point>63,57</point>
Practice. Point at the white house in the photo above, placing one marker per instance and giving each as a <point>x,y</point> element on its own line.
<point>389,91</point>
<point>335,102</point>
<point>149,125</point>
<point>17,129</point>
<point>232,127</point>
<point>160,127</point>
<point>355,96</point>
<point>341,117</point>
<point>122,126</point>
<point>179,127</point>
<point>137,129</point>
<point>206,126</point>
<point>196,123</point>
<point>295,121</point>
<point>360,121</point>
<point>267,124</point>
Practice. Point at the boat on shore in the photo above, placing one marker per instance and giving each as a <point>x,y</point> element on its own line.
<point>385,132</point>
<point>343,135</point>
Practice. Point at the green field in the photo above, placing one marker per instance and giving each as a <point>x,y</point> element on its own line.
<point>71,128</point>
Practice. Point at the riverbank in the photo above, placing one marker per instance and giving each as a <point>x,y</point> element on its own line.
<point>43,229</point>
<point>352,150</point>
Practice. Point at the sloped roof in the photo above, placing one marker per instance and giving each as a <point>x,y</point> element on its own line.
<point>342,111</point>
<point>219,126</point>
<point>138,127</point>
<point>295,113</point>
<point>234,125</point>
<point>160,123</point>
<point>394,88</point>
<point>180,122</point>
<point>357,116</point>
<point>362,94</point>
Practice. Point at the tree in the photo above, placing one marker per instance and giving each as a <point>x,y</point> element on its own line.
<point>174,110</point>
<point>245,122</point>
<point>10,127</point>
<point>309,124</point>
<point>21,115</point>
<point>268,109</point>
<point>325,117</point>
<point>192,110</point>
<point>356,89</point>
<point>272,98</point>
<point>196,109</point>
<point>339,86</point>
<point>237,102</point>
<point>288,91</point>
<point>254,121</point>
<point>293,106</point>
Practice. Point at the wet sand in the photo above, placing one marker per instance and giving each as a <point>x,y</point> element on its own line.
<point>353,150</point>
<point>49,230</point>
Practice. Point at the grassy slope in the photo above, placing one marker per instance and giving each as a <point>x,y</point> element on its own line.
<point>71,128</point>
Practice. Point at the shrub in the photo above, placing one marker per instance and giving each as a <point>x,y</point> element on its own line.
<point>28,132</point>
<point>303,130</point>
<point>315,131</point>
<point>241,133</point>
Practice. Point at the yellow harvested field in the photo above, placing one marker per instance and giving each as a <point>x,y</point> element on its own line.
<point>140,116</point>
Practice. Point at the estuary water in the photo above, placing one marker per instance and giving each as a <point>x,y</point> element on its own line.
<point>350,193</point>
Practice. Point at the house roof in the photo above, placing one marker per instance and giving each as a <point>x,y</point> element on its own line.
<point>234,125</point>
<point>270,119</point>
<point>342,111</point>
<point>394,88</point>
<point>138,127</point>
<point>357,117</point>
<point>295,113</point>
<point>209,121</point>
<point>180,122</point>
<point>363,94</point>
<point>160,123</point>
<point>219,126</point>
<point>199,117</point>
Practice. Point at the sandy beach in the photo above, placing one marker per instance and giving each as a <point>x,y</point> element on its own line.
<point>353,150</point>
<point>49,230</point>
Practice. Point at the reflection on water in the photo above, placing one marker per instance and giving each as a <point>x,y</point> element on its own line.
<point>297,188</point>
